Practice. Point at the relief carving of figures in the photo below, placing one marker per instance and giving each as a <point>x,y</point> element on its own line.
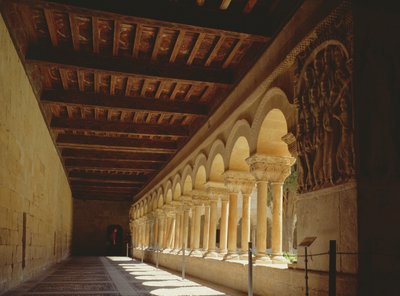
<point>324,118</point>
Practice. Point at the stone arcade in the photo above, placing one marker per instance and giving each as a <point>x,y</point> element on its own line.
<point>194,127</point>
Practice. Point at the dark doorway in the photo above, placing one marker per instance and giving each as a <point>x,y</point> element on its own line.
<point>114,242</point>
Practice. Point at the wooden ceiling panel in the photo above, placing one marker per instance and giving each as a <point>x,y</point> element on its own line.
<point>105,29</point>
<point>146,42</point>
<point>126,39</point>
<point>125,85</point>
<point>84,31</point>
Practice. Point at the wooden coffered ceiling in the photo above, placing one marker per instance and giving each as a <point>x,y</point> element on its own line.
<point>124,84</point>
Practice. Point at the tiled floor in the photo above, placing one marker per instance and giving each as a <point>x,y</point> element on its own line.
<point>109,276</point>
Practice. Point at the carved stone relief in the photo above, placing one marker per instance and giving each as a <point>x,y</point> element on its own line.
<point>324,118</point>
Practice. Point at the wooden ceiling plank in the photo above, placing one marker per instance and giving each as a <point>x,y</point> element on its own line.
<point>119,156</point>
<point>159,89</point>
<point>136,43</point>
<point>128,86</point>
<point>144,88</point>
<point>196,47</point>
<point>81,77</point>
<point>129,164</point>
<point>225,4</point>
<point>57,57</point>
<point>157,44</point>
<point>189,93</point>
<point>95,33</point>
<point>177,46</point>
<point>62,124</point>
<point>161,118</point>
<point>26,17</point>
<point>148,117</point>
<point>232,54</point>
<point>74,31</point>
<point>249,6</point>
<point>225,21</point>
<point>214,51</point>
<point>117,28</point>
<point>110,168</point>
<point>96,78</point>
<point>120,144</point>
<point>112,84</point>
<point>108,177</point>
<point>64,78</point>
<point>93,180</point>
<point>51,27</point>
<point>175,91</point>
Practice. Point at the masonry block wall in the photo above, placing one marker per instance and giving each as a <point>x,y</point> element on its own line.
<point>35,199</point>
<point>91,221</point>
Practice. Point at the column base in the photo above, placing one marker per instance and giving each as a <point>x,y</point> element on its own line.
<point>211,254</point>
<point>196,253</point>
<point>244,256</point>
<point>279,259</point>
<point>231,256</point>
<point>167,250</point>
<point>263,259</point>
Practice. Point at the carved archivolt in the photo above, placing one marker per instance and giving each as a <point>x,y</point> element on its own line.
<point>324,118</point>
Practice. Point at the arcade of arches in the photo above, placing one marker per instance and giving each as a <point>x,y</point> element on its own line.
<point>304,144</point>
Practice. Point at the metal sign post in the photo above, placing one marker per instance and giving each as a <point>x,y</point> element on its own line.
<point>332,268</point>
<point>306,243</point>
<point>250,267</point>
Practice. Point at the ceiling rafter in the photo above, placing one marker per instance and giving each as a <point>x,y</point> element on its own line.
<point>123,66</point>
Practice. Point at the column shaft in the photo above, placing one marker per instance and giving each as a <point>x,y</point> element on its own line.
<point>277,193</point>
<point>161,232</point>
<point>261,239</point>
<point>223,227</point>
<point>196,222</point>
<point>177,231</point>
<point>213,226</point>
<point>232,225</point>
<point>206,227</point>
<point>185,228</point>
<point>245,223</point>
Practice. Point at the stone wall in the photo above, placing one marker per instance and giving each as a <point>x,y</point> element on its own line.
<point>35,199</point>
<point>91,219</point>
<point>266,280</point>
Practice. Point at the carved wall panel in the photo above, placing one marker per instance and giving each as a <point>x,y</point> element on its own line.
<point>324,102</point>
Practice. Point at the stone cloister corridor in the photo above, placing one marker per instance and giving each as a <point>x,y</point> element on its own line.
<point>143,139</point>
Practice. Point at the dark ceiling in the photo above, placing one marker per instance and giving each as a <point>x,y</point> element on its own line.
<point>124,84</point>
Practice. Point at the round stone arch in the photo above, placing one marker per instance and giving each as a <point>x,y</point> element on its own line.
<point>187,179</point>
<point>176,187</point>
<point>275,101</point>
<point>199,171</point>
<point>154,199</point>
<point>212,168</point>
<point>168,192</point>
<point>159,201</point>
<point>238,146</point>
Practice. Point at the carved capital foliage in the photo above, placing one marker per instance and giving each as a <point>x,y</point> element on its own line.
<point>239,181</point>
<point>270,168</point>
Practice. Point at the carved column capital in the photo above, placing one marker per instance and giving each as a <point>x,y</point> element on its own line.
<point>216,190</point>
<point>270,168</point>
<point>239,181</point>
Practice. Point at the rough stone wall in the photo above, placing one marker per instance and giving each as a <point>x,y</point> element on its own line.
<point>91,219</point>
<point>35,199</point>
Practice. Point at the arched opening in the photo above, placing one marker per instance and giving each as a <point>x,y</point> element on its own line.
<point>187,185</point>
<point>177,191</point>
<point>240,152</point>
<point>217,169</point>
<point>168,197</point>
<point>160,201</point>
<point>114,240</point>
<point>200,178</point>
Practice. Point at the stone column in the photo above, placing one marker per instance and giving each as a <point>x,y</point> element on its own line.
<point>232,227</point>
<point>161,225</point>
<point>191,242</point>
<point>213,230</point>
<point>223,226</point>
<point>172,234</point>
<point>206,230</point>
<point>258,169</point>
<point>277,254</point>
<point>196,235</point>
<point>245,225</point>
<point>155,227</point>
<point>185,228</point>
<point>177,231</point>
<point>238,181</point>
